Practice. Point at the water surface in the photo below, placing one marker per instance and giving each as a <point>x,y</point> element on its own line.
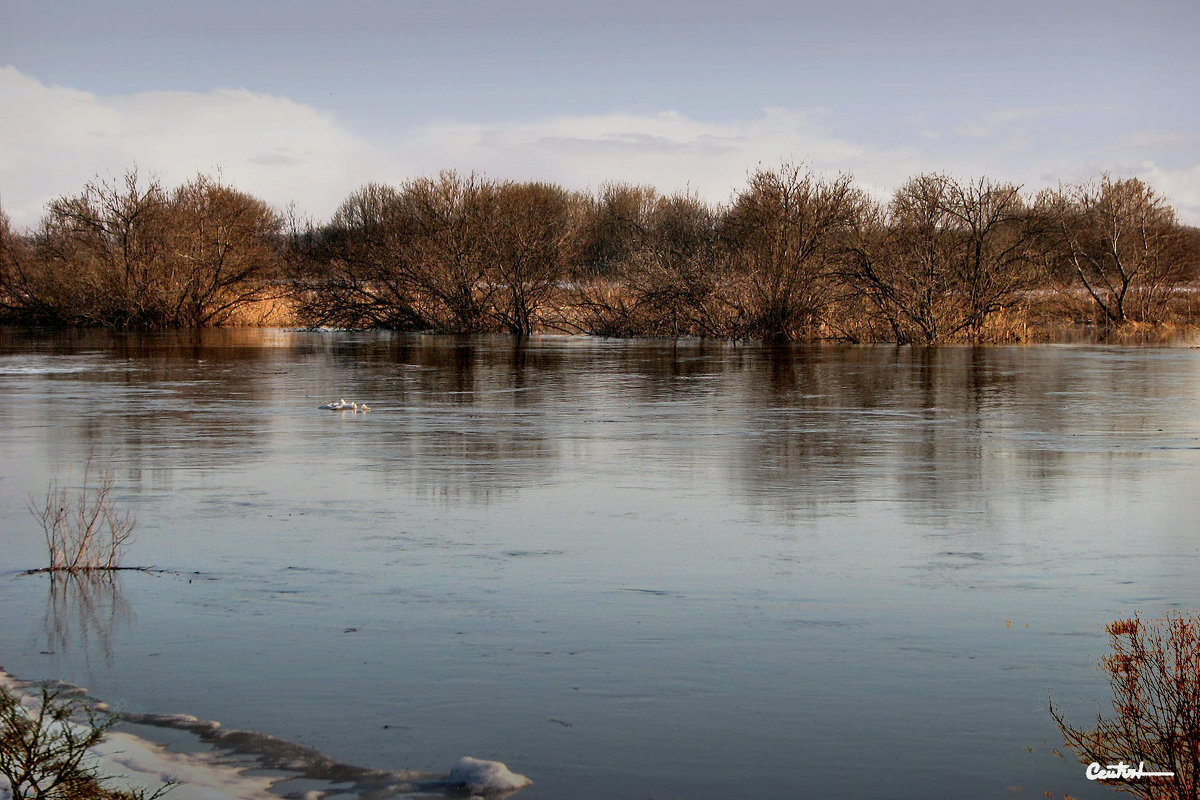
<point>628,569</point>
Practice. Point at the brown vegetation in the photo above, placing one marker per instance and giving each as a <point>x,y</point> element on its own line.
<point>84,529</point>
<point>795,255</point>
<point>946,256</point>
<point>45,748</point>
<point>1154,672</point>
<point>130,253</point>
<point>1120,242</point>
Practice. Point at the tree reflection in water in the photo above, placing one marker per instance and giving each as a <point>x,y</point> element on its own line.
<point>85,610</point>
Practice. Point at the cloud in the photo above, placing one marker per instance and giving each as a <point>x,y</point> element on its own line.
<point>59,138</point>
<point>284,151</point>
<point>666,149</point>
<point>1180,186</point>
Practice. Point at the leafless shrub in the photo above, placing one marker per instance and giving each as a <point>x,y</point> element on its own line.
<point>1154,672</point>
<point>131,253</point>
<point>784,231</point>
<point>44,748</point>
<point>84,529</point>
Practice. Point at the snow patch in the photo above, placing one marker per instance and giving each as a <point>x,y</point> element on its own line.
<point>248,766</point>
<point>485,777</point>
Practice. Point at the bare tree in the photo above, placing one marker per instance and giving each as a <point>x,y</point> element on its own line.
<point>528,228</point>
<point>104,252</point>
<point>445,250</point>
<point>225,254</point>
<point>902,262</point>
<point>129,253</point>
<point>1120,241</point>
<point>11,247</point>
<point>354,272</point>
<point>674,272</point>
<point>946,256</point>
<point>784,230</point>
<point>996,261</point>
<point>611,226</point>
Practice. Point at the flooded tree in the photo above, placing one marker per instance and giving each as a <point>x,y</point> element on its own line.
<point>12,251</point>
<point>1154,672</point>
<point>410,257</point>
<point>352,273</point>
<point>612,224</point>
<point>527,231</point>
<point>945,256</point>
<point>444,249</point>
<point>784,231</point>
<point>225,252</point>
<point>1119,240</point>
<point>665,273</point>
<point>103,255</point>
<point>674,271</point>
<point>131,253</point>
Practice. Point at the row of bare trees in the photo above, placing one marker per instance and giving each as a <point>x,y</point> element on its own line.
<point>794,255</point>
<point>453,254</point>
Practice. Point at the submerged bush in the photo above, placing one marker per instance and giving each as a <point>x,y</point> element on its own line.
<point>1154,672</point>
<point>84,529</point>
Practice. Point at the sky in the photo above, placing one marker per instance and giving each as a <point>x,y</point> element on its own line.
<point>301,102</point>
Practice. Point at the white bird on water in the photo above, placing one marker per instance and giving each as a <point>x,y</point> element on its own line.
<point>342,405</point>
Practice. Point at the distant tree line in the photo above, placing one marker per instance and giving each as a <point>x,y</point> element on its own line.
<point>793,255</point>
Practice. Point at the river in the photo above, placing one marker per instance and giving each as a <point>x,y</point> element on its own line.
<point>627,569</point>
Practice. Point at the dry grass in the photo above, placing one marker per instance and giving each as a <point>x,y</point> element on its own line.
<point>271,312</point>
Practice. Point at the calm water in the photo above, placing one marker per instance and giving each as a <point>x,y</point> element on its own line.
<point>626,569</point>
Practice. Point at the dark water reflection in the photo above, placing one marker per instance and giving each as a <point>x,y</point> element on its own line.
<point>85,611</point>
<point>628,568</point>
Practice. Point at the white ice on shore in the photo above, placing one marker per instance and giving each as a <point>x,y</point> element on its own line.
<point>485,777</point>
<point>137,763</point>
<point>130,761</point>
<point>127,761</point>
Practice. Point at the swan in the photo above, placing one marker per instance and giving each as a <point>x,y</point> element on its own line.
<point>343,405</point>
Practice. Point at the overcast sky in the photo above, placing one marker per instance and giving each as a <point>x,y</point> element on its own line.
<point>304,101</point>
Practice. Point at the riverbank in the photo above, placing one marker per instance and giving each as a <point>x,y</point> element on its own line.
<point>207,762</point>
